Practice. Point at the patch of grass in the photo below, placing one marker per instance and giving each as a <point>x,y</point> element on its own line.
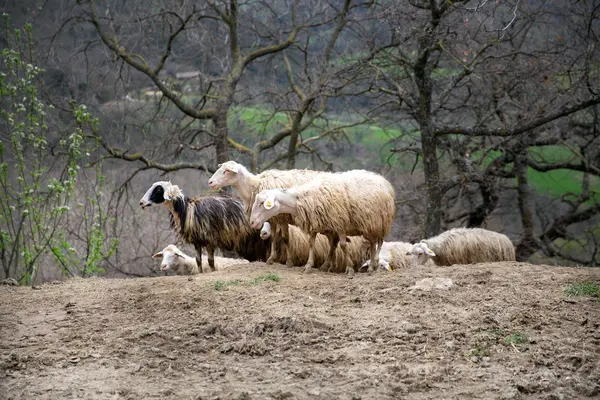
<point>263,278</point>
<point>516,338</point>
<point>219,285</point>
<point>480,351</point>
<point>583,289</point>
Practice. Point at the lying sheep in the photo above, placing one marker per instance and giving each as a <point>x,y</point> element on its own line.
<point>177,260</point>
<point>463,246</point>
<point>393,255</point>
<point>299,250</point>
<point>337,205</point>
<point>248,185</point>
<point>209,221</point>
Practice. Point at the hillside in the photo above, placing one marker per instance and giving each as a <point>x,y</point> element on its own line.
<point>504,330</point>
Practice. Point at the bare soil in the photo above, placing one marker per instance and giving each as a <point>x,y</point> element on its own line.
<point>501,331</point>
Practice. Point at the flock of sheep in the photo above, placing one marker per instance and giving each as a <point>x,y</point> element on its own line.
<point>333,221</point>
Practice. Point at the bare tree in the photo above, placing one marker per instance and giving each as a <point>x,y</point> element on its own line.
<point>483,85</point>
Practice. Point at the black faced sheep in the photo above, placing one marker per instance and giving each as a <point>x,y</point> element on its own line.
<point>208,221</point>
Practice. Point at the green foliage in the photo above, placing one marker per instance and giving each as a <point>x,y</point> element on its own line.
<point>220,285</point>
<point>516,338</point>
<point>263,278</point>
<point>39,169</point>
<point>590,289</point>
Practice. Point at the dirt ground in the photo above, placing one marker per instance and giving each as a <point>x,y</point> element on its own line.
<point>501,331</point>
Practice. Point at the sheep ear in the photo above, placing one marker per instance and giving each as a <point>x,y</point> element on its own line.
<point>269,202</point>
<point>408,253</point>
<point>178,254</point>
<point>158,255</point>
<point>167,195</point>
<point>233,168</point>
<point>430,253</point>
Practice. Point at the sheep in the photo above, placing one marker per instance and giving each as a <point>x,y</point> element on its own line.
<point>208,221</point>
<point>298,249</point>
<point>356,202</point>
<point>177,260</point>
<point>393,255</point>
<point>248,185</point>
<point>463,246</point>
<point>265,232</point>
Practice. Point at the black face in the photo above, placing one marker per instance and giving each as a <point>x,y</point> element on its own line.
<point>158,195</point>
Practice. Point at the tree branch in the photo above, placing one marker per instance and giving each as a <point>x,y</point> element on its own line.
<point>501,132</point>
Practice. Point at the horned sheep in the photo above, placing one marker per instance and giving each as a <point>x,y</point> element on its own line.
<point>248,185</point>
<point>299,249</point>
<point>463,246</point>
<point>208,221</point>
<point>176,260</point>
<point>356,202</point>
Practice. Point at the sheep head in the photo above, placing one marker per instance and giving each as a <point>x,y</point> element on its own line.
<point>171,257</point>
<point>420,253</point>
<point>226,175</point>
<point>265,232</point>
<point>159,193</point>
<point>270,203</point>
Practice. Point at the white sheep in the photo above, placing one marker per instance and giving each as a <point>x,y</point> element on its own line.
<point>177,260</point>
<point>337,205</point>
<point>299,249</point>
<point>265,232</point>
<point>249,185</point>
<point>463,246</point>
<point>393,255</point>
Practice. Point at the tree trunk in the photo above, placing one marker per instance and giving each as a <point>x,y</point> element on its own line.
<point>527,245</point>
<point>220,122</point>
<point>221,135</point>
<point>431,169</point>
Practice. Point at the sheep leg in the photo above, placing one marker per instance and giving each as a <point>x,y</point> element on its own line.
<point>211,257</point>
<point>374,254</point>
<point>274,240</point>
<point>199,256</point>
<point>379,245</point>
<point>329,264</point>
<point>311,253</point>
<point>285,235</point>
<point>346,256</point>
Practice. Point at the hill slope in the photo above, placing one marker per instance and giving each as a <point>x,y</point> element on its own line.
<point>503,330</point>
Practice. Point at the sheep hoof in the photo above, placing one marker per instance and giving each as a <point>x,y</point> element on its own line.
<point>307,269</point>
<point>325,267</point>
<point>350,272</point>
<point>289,263</point>
<point>270,261</point>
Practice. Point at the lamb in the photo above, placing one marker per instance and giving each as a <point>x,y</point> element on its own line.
<point>463,246</point>
<point>393,255</point>
<point>298,249</point>
<point>337,205</point>
<point>248,185</point>
<point>208,221</point>
<point>265,232</point>
<point>177,260</point>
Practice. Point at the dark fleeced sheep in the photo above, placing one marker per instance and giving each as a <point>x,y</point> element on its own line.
<point>208,221</point>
